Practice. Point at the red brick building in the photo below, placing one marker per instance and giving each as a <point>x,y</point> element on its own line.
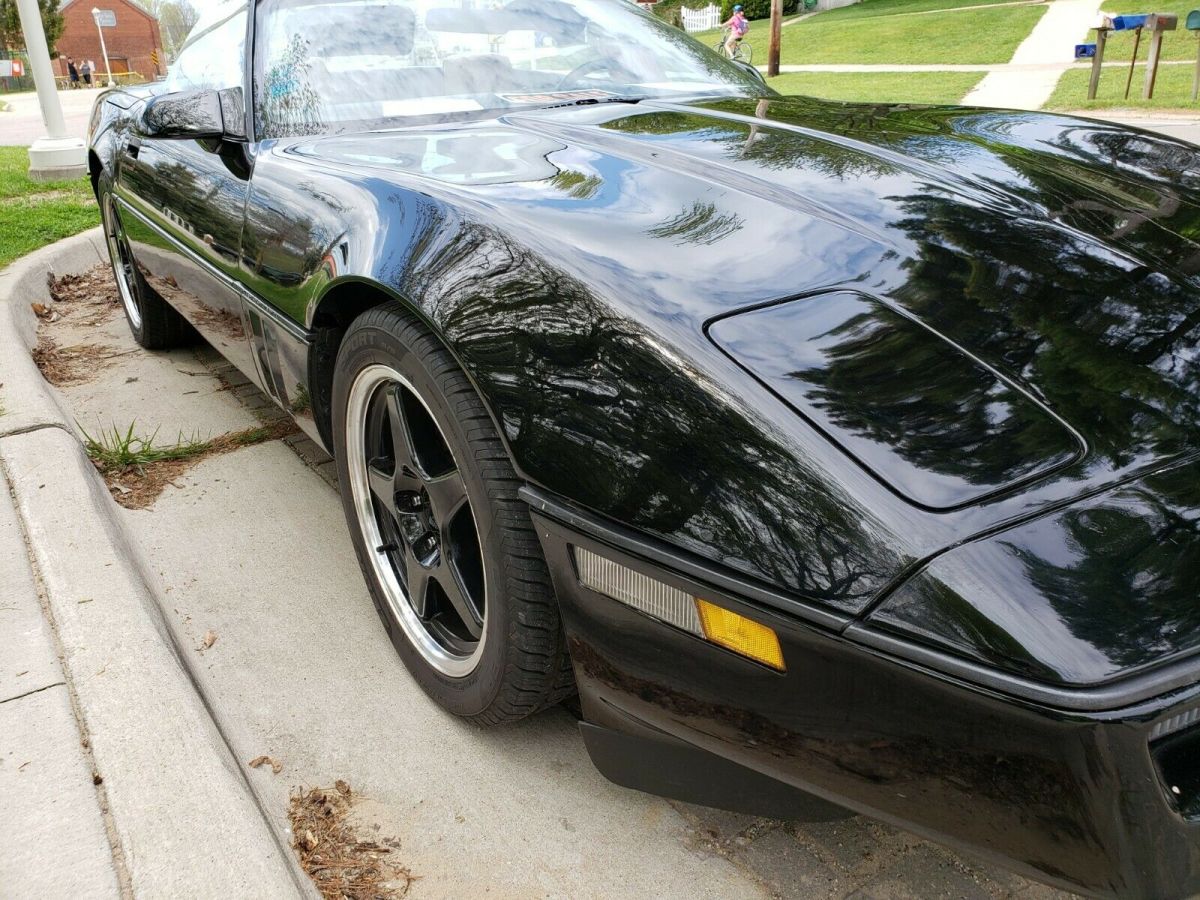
<point>130,43</point>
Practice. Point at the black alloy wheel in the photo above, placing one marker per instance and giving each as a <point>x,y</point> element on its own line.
<point>421,517</point>
<point>154,323</point>
<point>446,546</point>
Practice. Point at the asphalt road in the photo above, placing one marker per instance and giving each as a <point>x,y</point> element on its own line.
<point>23,125</point>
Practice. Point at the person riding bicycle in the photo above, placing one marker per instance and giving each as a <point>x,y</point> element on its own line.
<point>738,25</point>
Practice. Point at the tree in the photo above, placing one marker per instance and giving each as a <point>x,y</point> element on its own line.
<point>176,18</point>
<point>11,37</point>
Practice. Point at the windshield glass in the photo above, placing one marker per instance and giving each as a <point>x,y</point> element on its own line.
<point>338,65</point>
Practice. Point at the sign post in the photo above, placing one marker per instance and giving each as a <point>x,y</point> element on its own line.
<point>773,48</point>
<point>56,155</point>
<point>105,18</point>
<point>1157,23</point>
<point>1097,61</point>
<point>1192,23</point>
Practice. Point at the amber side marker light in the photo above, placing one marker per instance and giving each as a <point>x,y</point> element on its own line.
<point>679,608</point>
<point>739,634</point>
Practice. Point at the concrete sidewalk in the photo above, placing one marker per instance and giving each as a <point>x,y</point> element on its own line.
<point>117,782</point>
<point>1040,60</point>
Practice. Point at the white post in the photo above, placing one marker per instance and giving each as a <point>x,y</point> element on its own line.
<point>103,49</point>
<point>56,155</point>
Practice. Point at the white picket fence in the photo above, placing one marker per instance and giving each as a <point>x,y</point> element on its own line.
<point>701,19</point>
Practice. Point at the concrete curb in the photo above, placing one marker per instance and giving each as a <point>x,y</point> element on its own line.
<point>184,820</point>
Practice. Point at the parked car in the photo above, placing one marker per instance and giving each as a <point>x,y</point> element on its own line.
<point>842,457</point>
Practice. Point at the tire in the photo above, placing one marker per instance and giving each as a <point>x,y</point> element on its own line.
<point>446,546</point>
<point>154,323</point>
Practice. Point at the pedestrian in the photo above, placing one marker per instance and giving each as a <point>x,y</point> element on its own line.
<point>72,72</point>
<point>86,71</point>
<point>738,25</point>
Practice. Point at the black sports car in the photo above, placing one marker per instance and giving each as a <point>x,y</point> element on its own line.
<point>841,457</point>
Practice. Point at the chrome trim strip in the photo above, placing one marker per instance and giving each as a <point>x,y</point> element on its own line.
<point>265,309</point>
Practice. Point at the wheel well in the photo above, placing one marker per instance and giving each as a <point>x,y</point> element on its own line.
<point>94,169</point>
<point>338,308</point>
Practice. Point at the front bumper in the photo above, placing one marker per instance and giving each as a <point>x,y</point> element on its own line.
<point>1073,798</point>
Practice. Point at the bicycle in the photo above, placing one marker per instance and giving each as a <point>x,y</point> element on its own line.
<point>741,50</point>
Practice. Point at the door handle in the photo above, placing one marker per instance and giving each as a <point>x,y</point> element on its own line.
<point>132,146</point>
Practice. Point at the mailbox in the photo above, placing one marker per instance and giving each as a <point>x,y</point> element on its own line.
<point>1154,23</point>
<point>1128,23</point>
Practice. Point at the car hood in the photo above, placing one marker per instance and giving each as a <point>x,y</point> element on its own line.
<point>1014,326</point>
<point>1061,254</point>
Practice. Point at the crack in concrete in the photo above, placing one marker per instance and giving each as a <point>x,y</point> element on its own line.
<point>40,426</point>
<point>44,687</point>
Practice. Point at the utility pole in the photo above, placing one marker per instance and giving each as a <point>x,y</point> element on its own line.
<point>103,48</point>
<point>773,49</point>
<point>56,155</point>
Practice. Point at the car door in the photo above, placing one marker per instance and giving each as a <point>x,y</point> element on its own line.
<point>182,201</point>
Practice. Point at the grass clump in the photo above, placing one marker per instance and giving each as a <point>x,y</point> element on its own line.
<point>137,469</point>
<point>1172,90</point>
<point>118,450</point>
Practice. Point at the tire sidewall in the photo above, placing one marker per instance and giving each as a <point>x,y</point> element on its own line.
<point>371,344</point>
<point>105,195</point>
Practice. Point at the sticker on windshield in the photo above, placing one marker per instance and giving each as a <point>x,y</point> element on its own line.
<point>557,96</point>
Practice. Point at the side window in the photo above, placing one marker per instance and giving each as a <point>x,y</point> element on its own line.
<point>212,59</point>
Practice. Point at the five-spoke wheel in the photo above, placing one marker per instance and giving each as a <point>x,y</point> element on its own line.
<point>413,506</point>
<point>447,547</point>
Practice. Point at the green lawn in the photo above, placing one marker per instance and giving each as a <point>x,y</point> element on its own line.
<point>33,214</point>
<point>885,87</point>
<point>977,36</point>
<point>1172,90</point>
<point>875,8</point>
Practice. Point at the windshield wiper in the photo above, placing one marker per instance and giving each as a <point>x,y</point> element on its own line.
<point>589,101</point>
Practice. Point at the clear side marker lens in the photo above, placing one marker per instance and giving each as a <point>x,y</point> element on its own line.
<point>663,602</point>
<point>679,608</point>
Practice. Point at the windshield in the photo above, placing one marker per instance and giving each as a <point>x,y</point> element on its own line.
<point>339,65</point>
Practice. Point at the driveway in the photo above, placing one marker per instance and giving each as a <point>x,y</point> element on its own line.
<point>23,125</point>
<point>251,563</point>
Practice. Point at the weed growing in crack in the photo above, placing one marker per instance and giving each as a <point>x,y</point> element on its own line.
<point>136,469</point>
<point>116,450</point>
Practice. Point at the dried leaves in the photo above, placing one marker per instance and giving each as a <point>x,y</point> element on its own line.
<point>86,299</point>
<point>339,863</point>
<point>70,365</point>
<point>210,638</point>
<point>276,765</point>
<point>92,295</point>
